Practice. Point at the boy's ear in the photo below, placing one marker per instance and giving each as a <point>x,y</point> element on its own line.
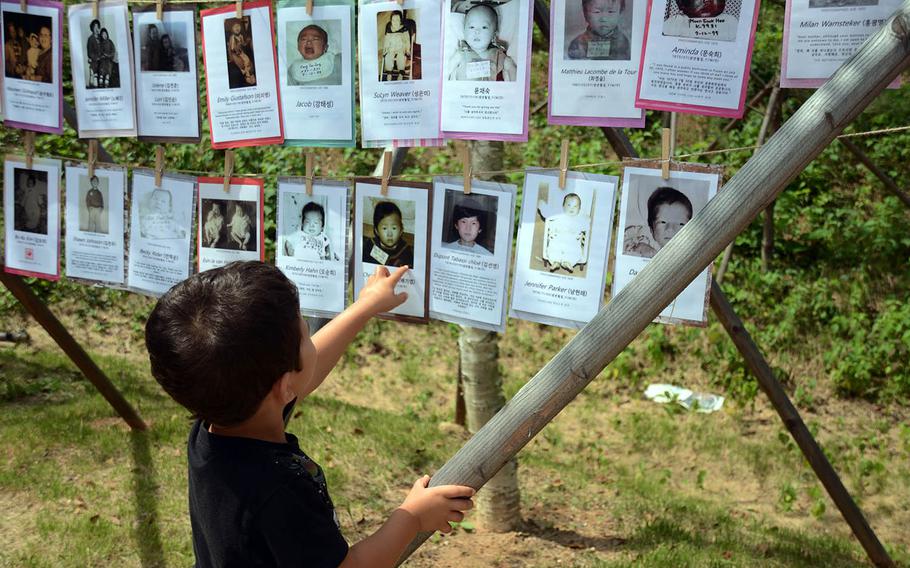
<point>283,390</point>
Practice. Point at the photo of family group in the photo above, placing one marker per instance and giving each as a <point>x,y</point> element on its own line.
<point>101,57</point>
<point>657,210</point>
<point>27,47</point>
<point>94,198</point>
<point>388,232</point>
<point>702,19</point>
<point>163,47</point>
<point>399,52</point>
<point>469,222</point>
<point>598,30</point>
<point>562,230</point>
<point>238,42</point>
<point>305,229</point>
<point>485,35</point>
<point>30,201</point>
<point>314,52</point>
<point>159,218</point>
<point>229,224</point>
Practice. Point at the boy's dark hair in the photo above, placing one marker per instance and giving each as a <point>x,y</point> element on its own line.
<point>312,207</point>
<point>666,196</point>
<point>383,209</point>
<point>469,208</point>
<point>219,340</point>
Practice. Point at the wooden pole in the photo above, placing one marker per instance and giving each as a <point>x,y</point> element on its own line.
<point>770,111</point>
<point>883,56</point>
<point>797,428</point>
<point>877,171</point>
<point>73,350</point>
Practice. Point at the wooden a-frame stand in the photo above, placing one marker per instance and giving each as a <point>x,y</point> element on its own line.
<point>58,332</point>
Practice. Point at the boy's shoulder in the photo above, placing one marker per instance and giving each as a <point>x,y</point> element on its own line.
<point>254,499</point>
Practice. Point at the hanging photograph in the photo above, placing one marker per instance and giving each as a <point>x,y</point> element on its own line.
<point>393,230</point>
<point>311,245</point>
<point>595,47</point>
<point>400,70</point>
<point>167,83</point>
<point>696,56</point>
<point>563,244</point>
<point>101,55</point>
<point>316,73</point>
<point>470,251</point>
<point>230,222</point>
<point>820,35</point>
<point>241,72</point>
<point>31,207</point>
<point>161,222</point>
<point>652,211</point>
<point>33,66</point>
<point>486,76</point>
<point>94,224</point>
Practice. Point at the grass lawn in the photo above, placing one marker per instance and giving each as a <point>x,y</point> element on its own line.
<point>615,480</point>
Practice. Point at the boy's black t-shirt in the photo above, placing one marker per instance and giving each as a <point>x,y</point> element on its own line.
<point>257,503</point>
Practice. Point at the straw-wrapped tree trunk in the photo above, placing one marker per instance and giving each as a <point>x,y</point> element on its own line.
<point>498,504</point>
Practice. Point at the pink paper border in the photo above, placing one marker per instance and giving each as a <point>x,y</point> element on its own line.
<point>580,120</point>
<point>246,142</point>
<point>234,181</point>
<point>523,137</point>
<point>697,109</point>
<point>37,127</point>
<point>786,83</point>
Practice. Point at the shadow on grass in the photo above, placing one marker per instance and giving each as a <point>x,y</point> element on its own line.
<point>571,539</point>
<point>146,532</point>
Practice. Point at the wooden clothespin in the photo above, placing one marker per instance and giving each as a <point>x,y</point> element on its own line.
<point>228,169</point>
<point>309,7</point>
<point>29,143</point>
<point>159,10</point>
<point>386,173</point>
<point>94,9</point>
<point>401,2</point>
<point>23,5</point>
<point>563,163</point>
<point>309,173</point>
<point>239,6</point>
<point>665,154</point>
<point>92,156</point>
<point>468,169</point>
<point>159,165</point>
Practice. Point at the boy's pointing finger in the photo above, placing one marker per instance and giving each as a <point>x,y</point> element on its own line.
<point>398,274</point>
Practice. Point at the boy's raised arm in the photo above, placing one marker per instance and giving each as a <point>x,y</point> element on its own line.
<point>377,296</point>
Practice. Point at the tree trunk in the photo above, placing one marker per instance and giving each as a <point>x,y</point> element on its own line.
<point>498,504</point>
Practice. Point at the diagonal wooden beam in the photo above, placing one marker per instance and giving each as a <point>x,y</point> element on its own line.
<point>815,125</point>
<point>886,180</point>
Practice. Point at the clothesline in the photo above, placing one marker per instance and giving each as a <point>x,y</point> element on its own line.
<point>476,173</point>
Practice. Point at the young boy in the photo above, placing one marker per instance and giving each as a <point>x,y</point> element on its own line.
<point>603,39</point>
<point>229,344</point>
<point>469,221</point>
<point>387,246</point>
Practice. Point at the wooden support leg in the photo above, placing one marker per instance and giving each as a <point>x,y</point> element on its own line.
<point>72,349</point>
<point>877,171</point>
<point>797,428</point>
